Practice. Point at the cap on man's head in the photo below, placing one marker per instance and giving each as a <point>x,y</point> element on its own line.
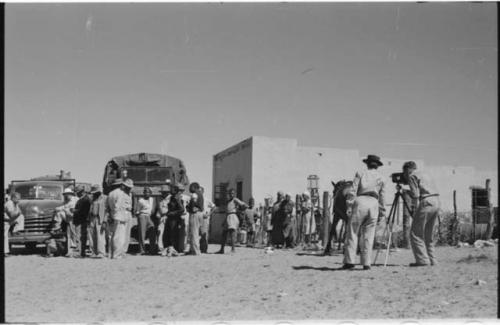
<point>96,188</point>
<point>373,158</point>
<point>129,183</point>
<point>410,164</point>
<point>281,193</point>
<point>68,191</point>
<point>306,193</point>
<point>79,188</point>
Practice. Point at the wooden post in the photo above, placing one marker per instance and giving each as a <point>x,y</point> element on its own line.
<point>326,218</point>
<point>473,194</point>
<point>489,227</point>
<point>298,220</point>
<point>455,219</point>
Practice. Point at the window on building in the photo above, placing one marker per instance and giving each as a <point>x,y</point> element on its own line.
<point>239,190</point>
<point>220,194</point>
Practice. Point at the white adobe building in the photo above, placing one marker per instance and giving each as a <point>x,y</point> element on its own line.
<point>260,166</point>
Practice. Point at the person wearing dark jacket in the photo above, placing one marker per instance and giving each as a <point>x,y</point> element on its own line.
<point>195,209</point>
<point>81,219</point>
<point>174,223</point>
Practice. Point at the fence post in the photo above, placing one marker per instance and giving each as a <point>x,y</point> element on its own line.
<point>454,223</point>
<point>326,218</point>
<point>298,220</point>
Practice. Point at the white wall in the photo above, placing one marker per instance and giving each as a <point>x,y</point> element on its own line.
<point>280,164</point>
<point>268,165</point>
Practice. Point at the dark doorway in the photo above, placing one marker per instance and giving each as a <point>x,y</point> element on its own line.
<point>239,190</point>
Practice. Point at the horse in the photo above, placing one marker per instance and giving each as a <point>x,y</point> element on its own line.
<point>339,194</point>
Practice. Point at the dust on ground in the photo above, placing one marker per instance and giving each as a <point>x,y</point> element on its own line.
<point>249,285</point>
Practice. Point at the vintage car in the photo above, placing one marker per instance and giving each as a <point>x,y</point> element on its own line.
<point>39,198</point>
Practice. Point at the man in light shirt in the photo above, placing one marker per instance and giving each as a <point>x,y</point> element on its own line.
<point>12,216</point>
<point>367,197</point>
<point>120,207</point>
<point>425,197</point>
<point>65,213</point>
<point>146,227</point>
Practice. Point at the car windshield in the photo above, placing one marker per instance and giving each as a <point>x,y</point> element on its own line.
<point>39,191</point>
<point>149,175</point>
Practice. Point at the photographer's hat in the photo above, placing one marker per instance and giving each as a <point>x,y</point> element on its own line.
<point>373,158</point>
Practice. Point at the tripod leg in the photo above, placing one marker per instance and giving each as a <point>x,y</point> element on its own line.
<point>392,218</point>
<point>391,212</point>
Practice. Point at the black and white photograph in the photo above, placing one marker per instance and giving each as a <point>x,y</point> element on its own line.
<point>250,162</point>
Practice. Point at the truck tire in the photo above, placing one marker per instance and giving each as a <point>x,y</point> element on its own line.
<point>30,246</point>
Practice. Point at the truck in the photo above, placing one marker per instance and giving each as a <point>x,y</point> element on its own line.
<point>146,170</point>
<point>39,198</point>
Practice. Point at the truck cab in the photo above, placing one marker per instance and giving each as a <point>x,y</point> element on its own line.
<point>39,198</point>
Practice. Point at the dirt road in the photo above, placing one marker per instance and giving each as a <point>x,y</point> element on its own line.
<point>249,285</point>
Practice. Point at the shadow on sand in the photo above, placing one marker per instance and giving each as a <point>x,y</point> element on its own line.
<point>324,268</point>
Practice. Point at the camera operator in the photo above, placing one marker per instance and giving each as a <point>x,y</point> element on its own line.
<point>425,197</point>
<point>367,208</point>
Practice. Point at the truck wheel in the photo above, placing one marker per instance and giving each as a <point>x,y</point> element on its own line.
<point>31,246</point>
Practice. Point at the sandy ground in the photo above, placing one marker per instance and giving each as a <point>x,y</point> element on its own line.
<point>249,285</point>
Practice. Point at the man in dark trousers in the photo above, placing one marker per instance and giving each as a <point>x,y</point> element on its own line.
<point>81,218</point>
<point>174,223</point>
<point>195,209</point>
<point>287,211</point>
<point>277,220</point>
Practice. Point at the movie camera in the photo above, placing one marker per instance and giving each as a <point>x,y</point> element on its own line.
<point>398,178</point>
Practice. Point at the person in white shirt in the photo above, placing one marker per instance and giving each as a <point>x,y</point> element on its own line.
<point>367,199</point>
<point>143,212</point>
<point>12,217</point>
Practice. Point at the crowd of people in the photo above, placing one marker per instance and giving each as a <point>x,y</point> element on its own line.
<point>177,223</point>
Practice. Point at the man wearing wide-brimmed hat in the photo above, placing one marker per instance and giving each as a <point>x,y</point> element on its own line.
<point>367,199</point>
<point>127,186</point>
<point>120,208</point>
<point>65,213</point>
<point>97,222</point>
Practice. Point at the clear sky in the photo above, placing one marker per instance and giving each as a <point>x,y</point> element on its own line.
<point>86,82</point>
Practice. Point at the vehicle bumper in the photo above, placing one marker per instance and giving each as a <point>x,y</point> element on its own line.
<point>28,238</point>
